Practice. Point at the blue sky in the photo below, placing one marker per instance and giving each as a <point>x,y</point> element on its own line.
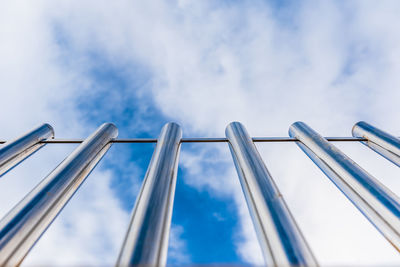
<point>202,64</point>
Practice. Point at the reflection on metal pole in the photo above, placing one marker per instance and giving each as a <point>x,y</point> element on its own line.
<point>373,199</point>
<point>381,142</point>
<point>27,221</point>
<point>146,241</point>
<point>16,151</point>
<point>281,240</point>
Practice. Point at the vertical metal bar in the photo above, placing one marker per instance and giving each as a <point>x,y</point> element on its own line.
<point>373,199</point>
<point>14,152</point>
<point>281,241</point>
<point>381,142</point>
<point>27,221</point>
<point>146,241</point>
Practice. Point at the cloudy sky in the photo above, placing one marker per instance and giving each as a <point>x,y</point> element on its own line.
<point>202,64</point>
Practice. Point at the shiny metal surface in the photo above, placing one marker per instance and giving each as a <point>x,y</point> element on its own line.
<point>27,221</point>
<point>381,142</point>
<point>198,140</point>
<point>373,199</point>
<point>14,152</point>
<point>281,241</point>
<point>146,241</point>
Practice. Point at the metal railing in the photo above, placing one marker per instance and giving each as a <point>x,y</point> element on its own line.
<point>146,240</point>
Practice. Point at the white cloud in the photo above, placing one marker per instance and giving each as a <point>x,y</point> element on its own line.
<point>38,86</point>
<point>210,169</point>
<point>326,68</point>
<point>177,246</point>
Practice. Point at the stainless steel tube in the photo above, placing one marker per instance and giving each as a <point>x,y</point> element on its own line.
<point>146,241</point>
<point>27,221</point>
<point>381,142</point>
<point>19,149</point>
<point>281,241</point>
<point>373,199</point>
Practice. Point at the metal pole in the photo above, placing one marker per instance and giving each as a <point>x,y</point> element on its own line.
<point>373,199</point>
<point>281,241</point>
<point>146,241</point>
<point>16,151</point>
<point>381,142</point>
<point>27,221</point>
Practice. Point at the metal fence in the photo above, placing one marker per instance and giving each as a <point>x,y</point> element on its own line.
<point>146,240</point>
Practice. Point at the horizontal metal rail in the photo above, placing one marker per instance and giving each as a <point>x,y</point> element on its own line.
<point>146,241</point>
<point>199,140</point>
